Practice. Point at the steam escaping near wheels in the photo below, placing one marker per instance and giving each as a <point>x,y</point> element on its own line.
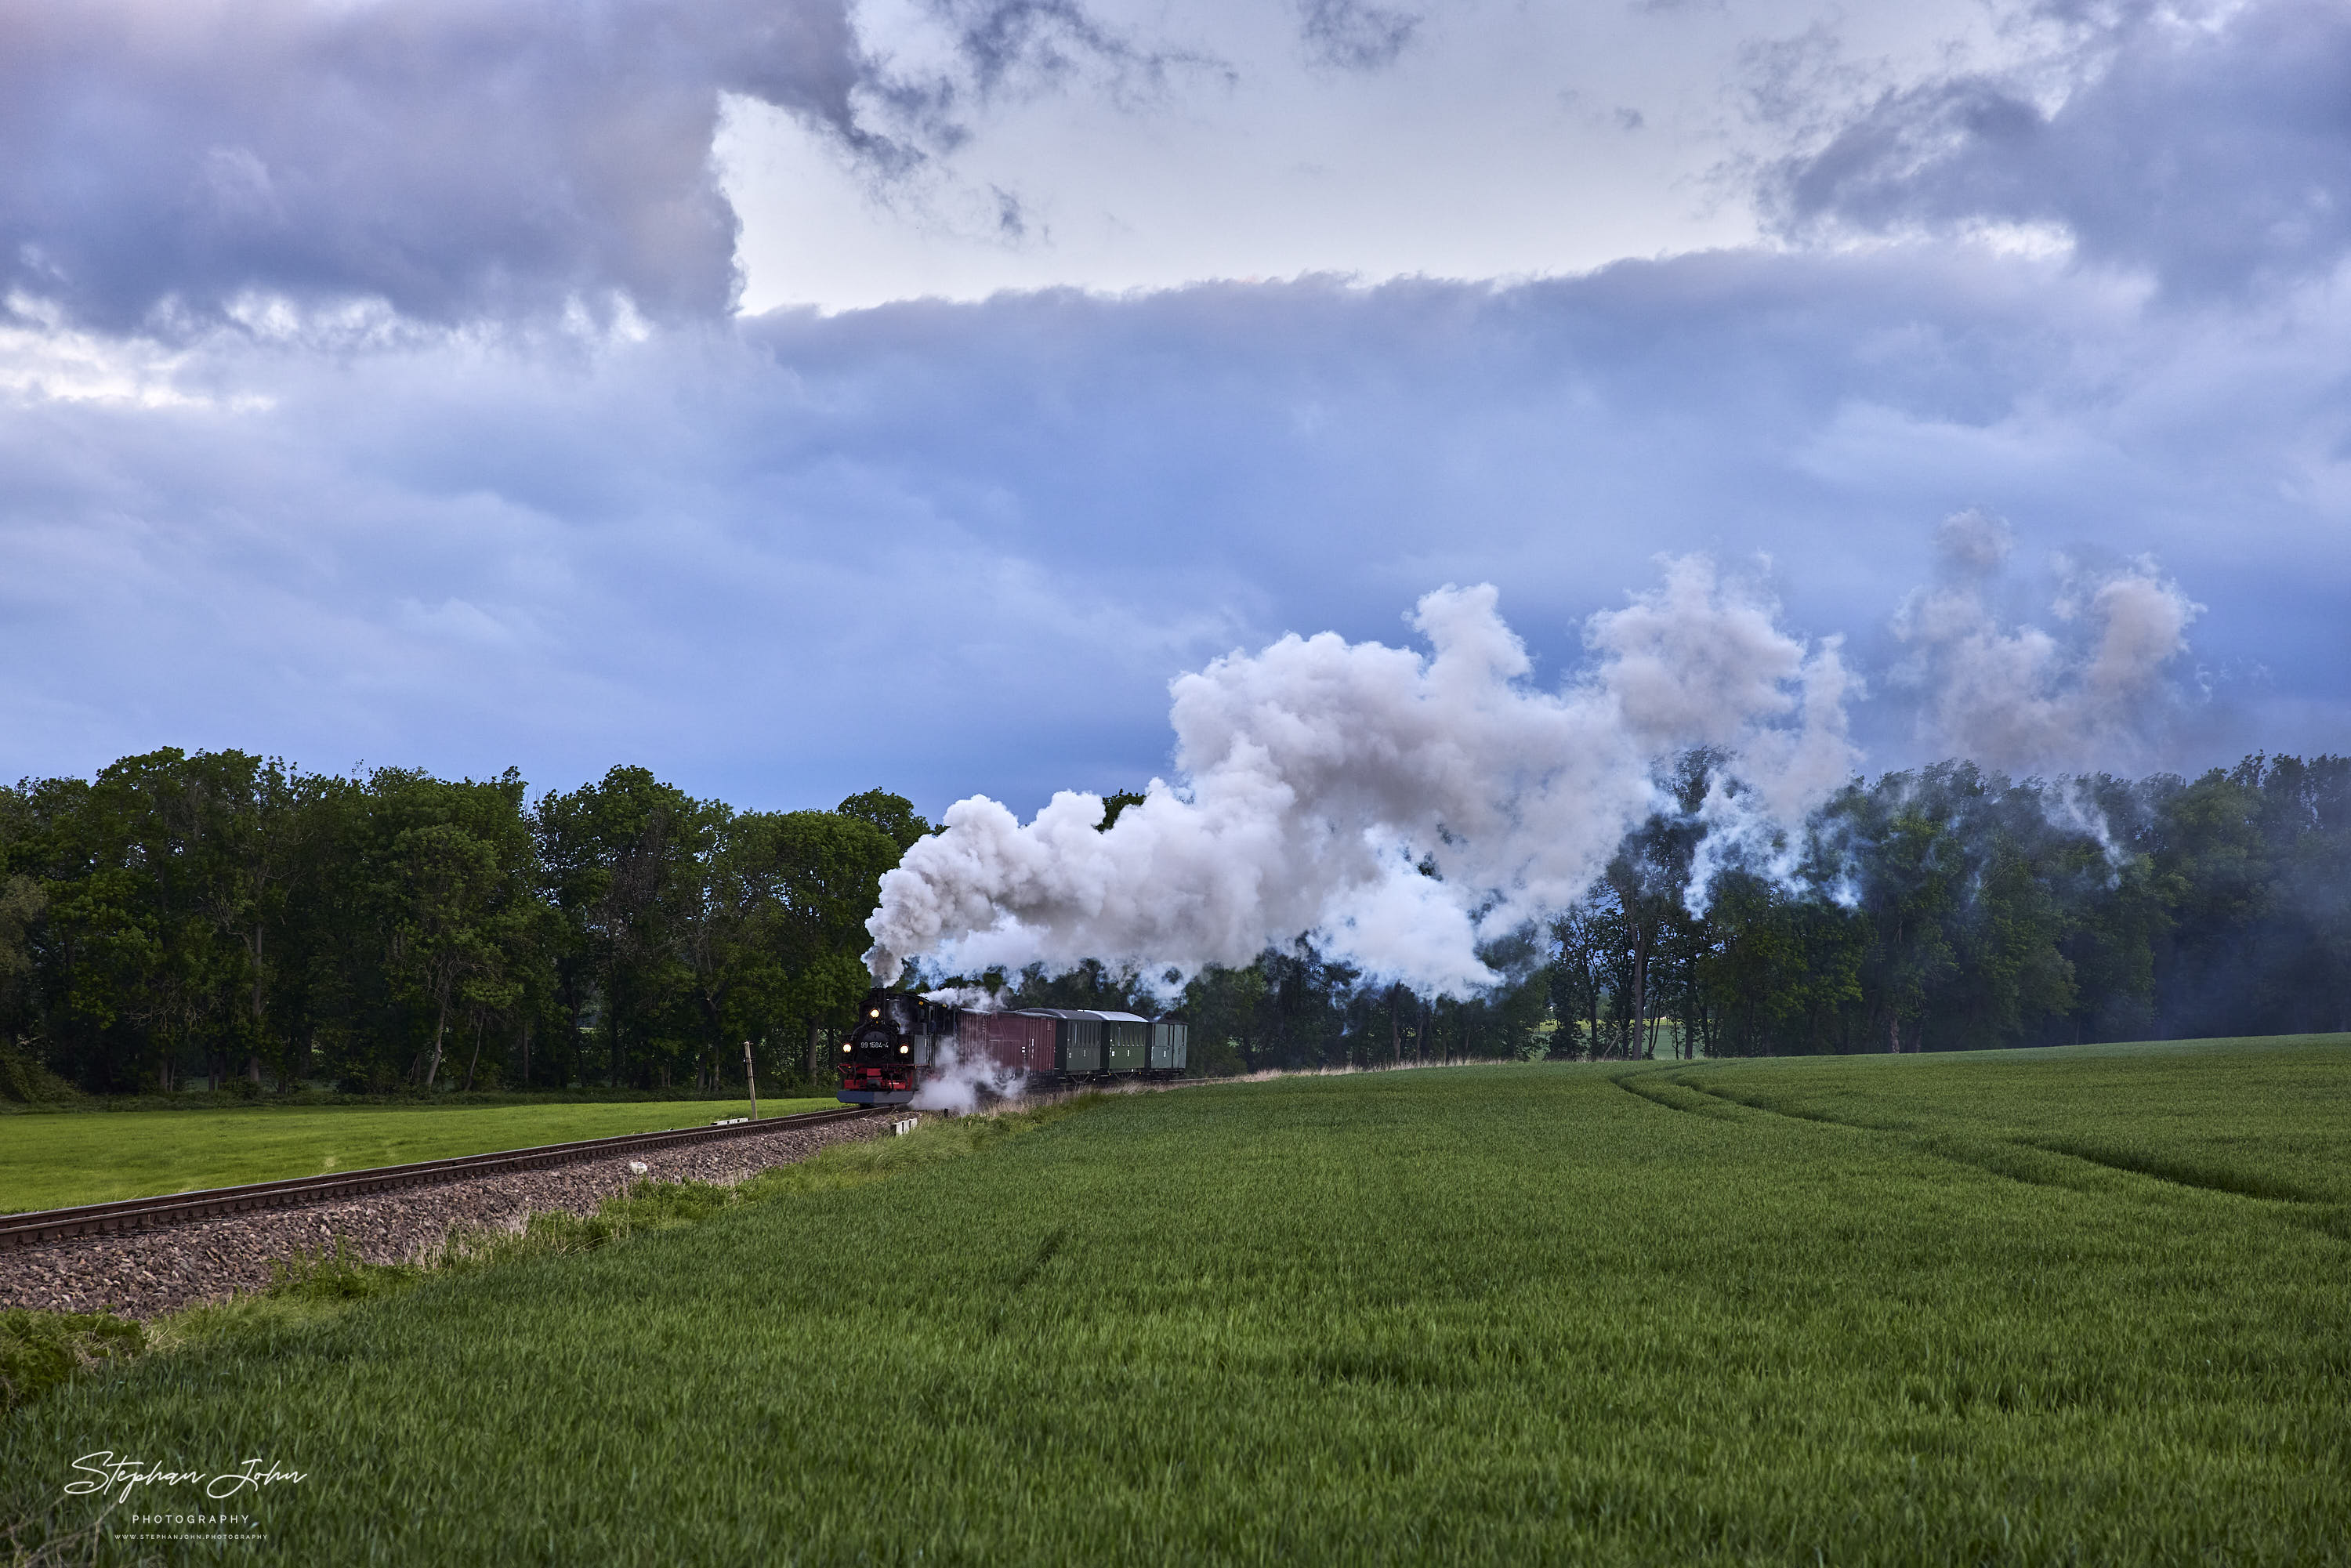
<point>1401,807</point>
<point>959,1086</point>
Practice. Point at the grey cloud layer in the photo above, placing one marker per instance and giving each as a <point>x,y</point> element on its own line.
<point>1353,35</point>
<point>463,162</point>
<point>452,157</point>
<point>2213,151</point>
<point>764,556</point>
<point>168,164</point>
<point>760,553</point>
<point>456,159</point>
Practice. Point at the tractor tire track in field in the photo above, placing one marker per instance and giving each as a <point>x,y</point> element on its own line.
<point>2182,1173</point>
<point>144,1273</point>
<point>2037,1162</point>
<point>1660,1090</point>
<point>1025,1276</point>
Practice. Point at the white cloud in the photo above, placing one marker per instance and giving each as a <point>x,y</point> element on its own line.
<point>1498,143</point>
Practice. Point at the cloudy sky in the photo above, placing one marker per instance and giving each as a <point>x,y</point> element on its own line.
<point>796,397</point>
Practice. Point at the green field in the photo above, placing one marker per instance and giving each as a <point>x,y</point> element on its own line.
<point>1891,1311</point>
<point>56,1161</point>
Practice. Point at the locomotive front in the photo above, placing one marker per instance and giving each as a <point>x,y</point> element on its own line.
<point>892,1048</point>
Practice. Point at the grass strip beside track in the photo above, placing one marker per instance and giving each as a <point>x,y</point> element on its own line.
<point>1499,1314</point>
<point>57,1162</point>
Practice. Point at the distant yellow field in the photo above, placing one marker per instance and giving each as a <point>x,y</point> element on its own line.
<point>53,1162</point>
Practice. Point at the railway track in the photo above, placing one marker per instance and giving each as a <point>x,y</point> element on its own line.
<point>32,1229</point>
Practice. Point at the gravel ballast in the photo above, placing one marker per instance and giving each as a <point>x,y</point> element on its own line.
<point>144,1273</point>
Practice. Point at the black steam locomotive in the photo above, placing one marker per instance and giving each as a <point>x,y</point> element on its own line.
<point>901,1042</point>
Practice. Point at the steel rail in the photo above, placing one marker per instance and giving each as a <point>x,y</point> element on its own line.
<point>37,1226</point>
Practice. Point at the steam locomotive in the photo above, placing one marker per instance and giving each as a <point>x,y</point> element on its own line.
<point>902,1041</point>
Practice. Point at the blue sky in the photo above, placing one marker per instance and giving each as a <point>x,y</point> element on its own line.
<point>795,399</point>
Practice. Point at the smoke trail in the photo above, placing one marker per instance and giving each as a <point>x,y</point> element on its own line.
<point>2023,699</point>
<point>1399,807</point>
<point>970,999</point>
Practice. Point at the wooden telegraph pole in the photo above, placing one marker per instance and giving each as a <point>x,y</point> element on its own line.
<point>751,1083</point>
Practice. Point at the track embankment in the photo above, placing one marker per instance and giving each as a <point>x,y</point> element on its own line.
<point>144,1273</point>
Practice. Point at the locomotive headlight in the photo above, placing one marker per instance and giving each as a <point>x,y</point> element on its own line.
<point>905,1049</point>
<point>844,1048</point>
<point>875,1014</point>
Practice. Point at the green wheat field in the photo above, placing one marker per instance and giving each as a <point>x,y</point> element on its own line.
<point>2085,1305</point>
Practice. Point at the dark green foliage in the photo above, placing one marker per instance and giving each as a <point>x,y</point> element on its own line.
<point>893,814</point>
<point>1944,909</point>
<point>21,903</point>
<point>1089,984</point>
<point>1116,803</point>
<point>1298,1009</point>
<point>1953,909</point>
<point>222,918</point>
<point>24,1081</point>
<point>221,915</point>
<point>38,1351</point>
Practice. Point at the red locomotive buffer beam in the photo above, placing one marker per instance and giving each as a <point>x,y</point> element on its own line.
<point>883,1080</point>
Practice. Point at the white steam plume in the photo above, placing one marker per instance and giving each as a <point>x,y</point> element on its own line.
<point>2022,699</point>
<point>1319,776</point>
<point>970,999</point>
<point>957,1087</point>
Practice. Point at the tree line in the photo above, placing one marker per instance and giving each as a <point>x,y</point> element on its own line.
<point>1942,908</point>
<point>225,916</point>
